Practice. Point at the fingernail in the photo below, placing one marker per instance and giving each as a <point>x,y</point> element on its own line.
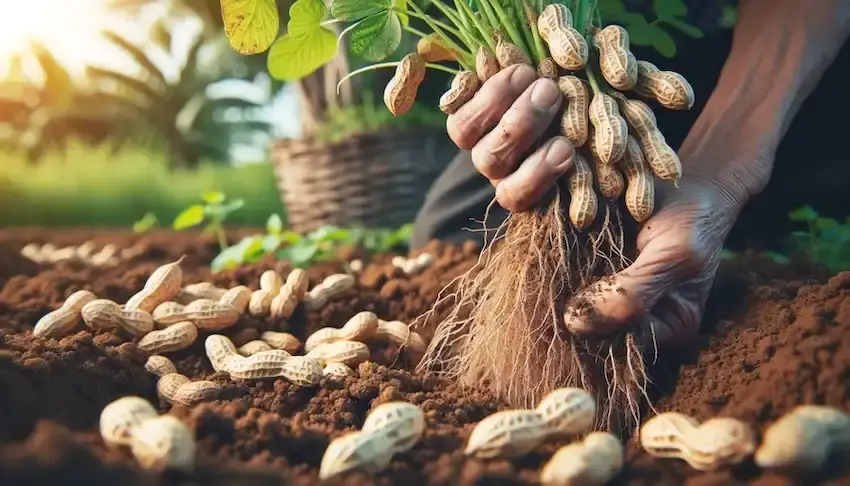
<point>544,94</point>
<point>522,77</point>
<point>560,153</point>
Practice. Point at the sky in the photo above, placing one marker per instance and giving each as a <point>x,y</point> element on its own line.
<point>72,29</point>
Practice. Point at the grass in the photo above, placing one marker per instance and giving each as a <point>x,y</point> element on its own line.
<point>90,187</point>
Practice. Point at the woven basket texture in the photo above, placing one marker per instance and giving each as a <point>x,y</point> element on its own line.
<point>373,180</point>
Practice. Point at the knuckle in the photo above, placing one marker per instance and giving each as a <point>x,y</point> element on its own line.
<point>462,131</point>
<point>486,162</point>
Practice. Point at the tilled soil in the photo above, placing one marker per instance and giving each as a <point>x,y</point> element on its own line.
<point>773,338</point>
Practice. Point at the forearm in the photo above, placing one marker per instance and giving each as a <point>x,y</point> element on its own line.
<point>780,50</point>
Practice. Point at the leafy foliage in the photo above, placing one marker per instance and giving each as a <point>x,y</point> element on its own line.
<point>145,223</point>
<point>369,116</point>
<point>303,250</point>
<point>825,241</point>
<point>643,32</point>
<point>214,212</point>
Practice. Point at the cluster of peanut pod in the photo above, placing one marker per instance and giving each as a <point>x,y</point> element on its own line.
<point>620,133</point>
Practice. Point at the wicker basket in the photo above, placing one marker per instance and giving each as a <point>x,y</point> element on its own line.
<point>373,180</point>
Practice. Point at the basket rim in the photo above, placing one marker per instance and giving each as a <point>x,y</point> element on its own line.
<point>358,136</point>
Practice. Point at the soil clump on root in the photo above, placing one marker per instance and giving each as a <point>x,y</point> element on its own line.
<point>774,337</point>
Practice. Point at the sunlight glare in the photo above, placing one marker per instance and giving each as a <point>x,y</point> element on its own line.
<point>71,29</point>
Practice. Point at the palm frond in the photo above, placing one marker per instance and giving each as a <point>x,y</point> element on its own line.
<point>138,54</point>
<point>136,85</point>
<point>58,85</point>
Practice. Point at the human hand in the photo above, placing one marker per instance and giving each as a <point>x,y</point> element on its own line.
<point>502,123</point>
<point>666,287</point>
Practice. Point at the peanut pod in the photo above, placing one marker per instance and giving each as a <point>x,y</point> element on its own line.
<point>463,88</point>
<point>660,157</point>
<point>611,129</point>
<point>567,46</point>
<point>574,121</point>
<point>640,190</point>
<point>432,49</point>
<point>608,177</point>
<point>486,64</point>
<point>669,88</point>
<point>400,93</point>
<point>616,62</point>
<point>583,201</point>
<point>508,54</point>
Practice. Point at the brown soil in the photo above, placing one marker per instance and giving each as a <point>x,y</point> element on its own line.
<point>774,337</point>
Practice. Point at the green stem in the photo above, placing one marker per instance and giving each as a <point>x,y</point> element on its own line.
<point>464,56</point>
<point>505,19</point>
<point>537,41</point>
<point>433,23</point>
<point>463,33</point>
<point>220,236</point>
<point>419,33</point>
<point>592,79</point>
<point>391,64</point>
<point>490,16</point>
<point>484,31</point>
<point>462,15</point>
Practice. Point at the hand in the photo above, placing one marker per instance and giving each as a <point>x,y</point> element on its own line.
<point>502,123</point>
<point>666,288</point>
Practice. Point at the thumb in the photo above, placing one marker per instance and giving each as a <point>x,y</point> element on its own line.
<point>618,300</point>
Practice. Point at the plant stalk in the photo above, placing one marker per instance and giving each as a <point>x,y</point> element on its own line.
<point>392,64</point>
<point>464,56</point>
<point>505,20</point>
<point>482,29</point>
<point>537,41</point>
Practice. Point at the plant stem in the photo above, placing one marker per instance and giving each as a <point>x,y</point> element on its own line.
<point>392,64</point>
<point>592,79</point>
<point>485,32</point>
<point>462,31</point>
<point>537,41</point>
<point>493,22</point>
<point>219,234</point>
<point>464,56</point>
<point>505,19</point>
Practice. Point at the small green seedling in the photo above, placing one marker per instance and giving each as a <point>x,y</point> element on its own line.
<point>146,223</point>
<point>252,249</point>
<point>214,212</point>
<point>825,241</point>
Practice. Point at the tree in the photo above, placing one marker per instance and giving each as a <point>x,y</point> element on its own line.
<point>177,113</point>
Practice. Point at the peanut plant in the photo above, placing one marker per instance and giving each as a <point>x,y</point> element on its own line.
<point>565,41</point>
<point>303,250</point>
<point>825,240</point>
<point>214,212</point>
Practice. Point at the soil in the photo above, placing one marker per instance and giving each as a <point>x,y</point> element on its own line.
<point>773,337</point>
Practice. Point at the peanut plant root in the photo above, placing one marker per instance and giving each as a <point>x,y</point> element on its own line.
<point>506,327</point>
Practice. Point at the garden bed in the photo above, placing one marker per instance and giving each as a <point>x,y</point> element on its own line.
<point>774,337</point>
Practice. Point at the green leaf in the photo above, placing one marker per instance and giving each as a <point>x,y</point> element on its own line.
<point>825,223</point>
<point>148,221</point>
<point>299,253</point>
<point>251,25</point>
<point>627,19</point>
<point>640,32</point>
<point>662,42</point>
<point>803,214</point>
<point>191,216</point>
<point>778,257</point>
<point>289,237</point>
<point>233,205</point>
<point>292,58</point>
<point>329,233</point>
<point>353,10</point>
<point>685,28</point>
<point>213,197</point>
<point>305,16</point>
<point>274,225</point>
<point>665,9</point>
<point>376,38</point>
<point>270,243</point>
<point>610,8</point>
<point>402,5</point>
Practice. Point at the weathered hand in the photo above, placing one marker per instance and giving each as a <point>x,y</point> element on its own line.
<point>502,123</point>
<point>666,288</point>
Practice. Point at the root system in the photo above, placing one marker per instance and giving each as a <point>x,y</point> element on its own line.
<point>507,328</point>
